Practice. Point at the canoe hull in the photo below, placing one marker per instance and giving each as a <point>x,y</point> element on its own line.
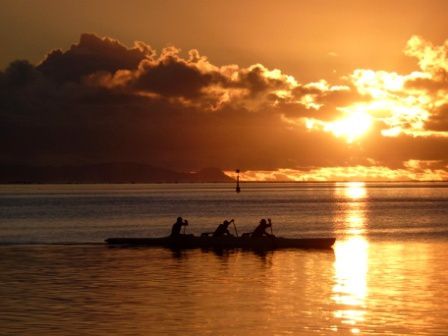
<point>261,243</point>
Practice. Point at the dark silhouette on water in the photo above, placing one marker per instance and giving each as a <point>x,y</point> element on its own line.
<point>223,229</point>
<point>260,230</point>
<point>221,238</point>
<point>175,230</point>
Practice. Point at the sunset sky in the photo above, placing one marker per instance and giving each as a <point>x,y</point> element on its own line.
<point>283,90</point>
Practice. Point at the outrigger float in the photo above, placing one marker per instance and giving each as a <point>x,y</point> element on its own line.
<point>226,242</point>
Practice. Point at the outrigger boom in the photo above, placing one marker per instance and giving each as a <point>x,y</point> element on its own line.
<point>253,243</point>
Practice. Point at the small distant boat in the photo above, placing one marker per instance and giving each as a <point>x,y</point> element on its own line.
<point>207,242</point>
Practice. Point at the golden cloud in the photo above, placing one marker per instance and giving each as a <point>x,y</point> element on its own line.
<point>413,170</point>
<point>401,103</point>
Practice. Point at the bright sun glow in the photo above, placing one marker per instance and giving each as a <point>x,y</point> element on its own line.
<point>355,190</point>
<point>355,125</point>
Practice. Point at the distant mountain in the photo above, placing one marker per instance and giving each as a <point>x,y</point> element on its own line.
<point>210,175</point>
<point>107,173</point>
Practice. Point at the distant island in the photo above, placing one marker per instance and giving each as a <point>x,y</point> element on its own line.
<point>107,173</point>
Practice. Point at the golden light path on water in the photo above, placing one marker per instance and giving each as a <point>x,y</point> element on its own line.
<point>351,262</point>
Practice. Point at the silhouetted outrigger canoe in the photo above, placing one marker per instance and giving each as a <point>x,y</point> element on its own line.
<point>260,243</point>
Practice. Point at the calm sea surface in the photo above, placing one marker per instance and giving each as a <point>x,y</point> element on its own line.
<point>388,273</point>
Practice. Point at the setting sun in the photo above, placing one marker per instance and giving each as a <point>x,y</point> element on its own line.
<point>355,125</point>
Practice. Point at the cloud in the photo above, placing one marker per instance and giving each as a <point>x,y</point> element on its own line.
<point>438,120</point>
<point>168,75</point>
<point>412,170</point>
<point>430,58</point>
<point>101,101</point>
<point>92,54</point>
<point>198,81</point>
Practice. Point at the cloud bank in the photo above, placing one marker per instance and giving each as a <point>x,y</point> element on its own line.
<point>101,101</point>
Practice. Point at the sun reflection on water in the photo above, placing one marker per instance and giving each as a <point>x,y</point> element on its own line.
<point>355,190</point>
<point>350,288</point>
<point>355,222</point>
<point>352,219</point>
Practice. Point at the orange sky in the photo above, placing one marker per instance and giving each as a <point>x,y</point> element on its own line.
<point>307,39</point>
<point>289,90</point>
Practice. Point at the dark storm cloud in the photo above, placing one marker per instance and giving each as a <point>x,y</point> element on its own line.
<point>171,75</point>
<point>171,78</point>
<point>255,80</point>
<point>92,54</point>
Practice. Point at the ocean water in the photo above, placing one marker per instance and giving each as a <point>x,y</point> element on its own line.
<point>387,273</point>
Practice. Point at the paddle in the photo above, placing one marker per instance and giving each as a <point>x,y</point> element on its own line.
<point>234,226</point>
<point>185,226</point>
<point>269,220</point>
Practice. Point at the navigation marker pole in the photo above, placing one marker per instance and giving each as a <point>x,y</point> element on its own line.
<point>238,189</point>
